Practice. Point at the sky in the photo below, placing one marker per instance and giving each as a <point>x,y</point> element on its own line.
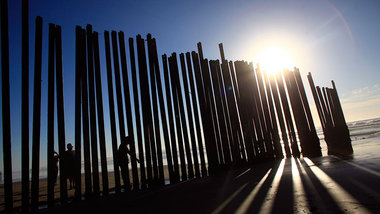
<point>334,40</point>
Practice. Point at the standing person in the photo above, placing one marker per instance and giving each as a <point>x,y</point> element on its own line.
<point>68,160</point>
<point>56,159</point>
<point>123,159</point>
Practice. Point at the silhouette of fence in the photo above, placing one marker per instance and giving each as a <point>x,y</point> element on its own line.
<point>245,115</point>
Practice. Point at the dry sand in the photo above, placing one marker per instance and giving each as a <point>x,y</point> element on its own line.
<point>43,189</point>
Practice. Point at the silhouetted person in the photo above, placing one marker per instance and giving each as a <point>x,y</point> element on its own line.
<point>123,159</point>
<point>68,160</point>
<point>56,159</point>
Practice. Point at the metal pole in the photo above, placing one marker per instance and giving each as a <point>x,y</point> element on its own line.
<point>146,108</point>
<point>177,116</point>
<point>78,117</point>
<point>196,113</point>
<point>36,115</point>
<point>91,93</point>
<point>112,111</point>
<point>171,120</point>
<point>60,113</point>
<point>137,113</point>
<point>280,115</point>
<point>50,122</point>
<point>86,136</point>
<point>162,109</point>
<point>156,123</point>
<point>128,111</point>
<point>275,136</point>
<point>189,115</point>
<point>8,192</point>
<point>99,106</point>
<point>25,105</point>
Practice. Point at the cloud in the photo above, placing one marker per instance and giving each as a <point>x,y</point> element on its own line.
<point>362,103</point>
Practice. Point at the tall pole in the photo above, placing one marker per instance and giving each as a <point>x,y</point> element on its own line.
<point>25,105</point>
<point>177,116</point>
<point>60,112</point>
<point>86,135</point>
<point>78,116</point>
<point>146,109</point>
<point>91,92</point>
<point>119,98</point>
<point>50,122</point>
<point>36,115</point>
<point>8,192</point>
<point>128,111</point>
<point>192,114</point>
<point>171,120</point>
<point>112,111</point>
<point>99,106</point>
<point>196,113</point>
<point>156,122</point>
<point>137,113</point>
<point>162,109</point>
<point>190,117</point>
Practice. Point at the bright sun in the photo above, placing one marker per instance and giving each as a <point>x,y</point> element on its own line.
<point>274,59</point>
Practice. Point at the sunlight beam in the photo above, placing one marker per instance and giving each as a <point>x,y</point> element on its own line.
<point>248,201</point>
<point>342,198</point>
<point>228,200</point>
<point>267,205</point>
<point>299,195</point>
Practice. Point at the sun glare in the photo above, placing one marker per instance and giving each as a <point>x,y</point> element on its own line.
<point>274,59</point>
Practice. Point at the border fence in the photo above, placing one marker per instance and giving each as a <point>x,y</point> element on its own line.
<point>197,116</point>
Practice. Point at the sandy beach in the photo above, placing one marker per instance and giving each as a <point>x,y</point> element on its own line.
<point>327,184</point>
<point>70,193</point>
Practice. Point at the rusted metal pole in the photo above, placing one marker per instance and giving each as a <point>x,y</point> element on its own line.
<point>177,116</point>
<point>162,109</point>
<point>50,122</point>
<point>233,114</point>
<point>176,176</point>
<point>8,191</point>
<point>316,100</point>
<point>288,118</point>
<point>112,111</point>
<point>36,115</point>
<point>60,112</point>
<point>266,116</point>
<point>78,115</point>
<point>275,135</point>
<point>196,113</point>
<point>205,119</point>
<point>248,110</point>
<point>128,111</point>
<point>257,113</point>
<point>99,106</point>
<point>156,123</point>
<point>86,136</point>
<point>25,105</point>
<point>189,115</point>
<point>214,70</point>
<point>91,93</point>
<point>280,116</point>
<point>119,100</point>
<point>210,101</point>
<point>146,109</point>
<point>137,113</point>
